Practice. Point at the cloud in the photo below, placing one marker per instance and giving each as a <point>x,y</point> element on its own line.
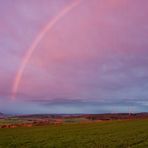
<point>98,52</point>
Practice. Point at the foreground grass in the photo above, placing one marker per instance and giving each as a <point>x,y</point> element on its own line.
<point>122,134</point>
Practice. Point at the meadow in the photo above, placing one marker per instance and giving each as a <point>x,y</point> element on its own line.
<point>106,134</point>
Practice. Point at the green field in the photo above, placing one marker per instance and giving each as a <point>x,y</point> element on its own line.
<point>13,120</point>
<point>114,134</point>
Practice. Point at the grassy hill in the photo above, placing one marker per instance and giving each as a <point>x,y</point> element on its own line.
<point>111,134</point>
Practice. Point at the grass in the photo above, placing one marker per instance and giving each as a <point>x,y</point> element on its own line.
<point>114,134</point>
<point>13,120</point>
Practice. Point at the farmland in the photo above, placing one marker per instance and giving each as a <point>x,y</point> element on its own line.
<point>105,134</point>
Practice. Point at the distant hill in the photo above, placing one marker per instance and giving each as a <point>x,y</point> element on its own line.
<point>2,115</point>
<point>106,116</point>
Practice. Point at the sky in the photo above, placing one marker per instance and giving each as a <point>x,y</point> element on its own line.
<point>73,56</point>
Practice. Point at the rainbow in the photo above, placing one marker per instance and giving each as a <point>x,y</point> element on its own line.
<point>33,46</point>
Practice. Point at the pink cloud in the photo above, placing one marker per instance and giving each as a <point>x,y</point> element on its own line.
<point>98,51</point>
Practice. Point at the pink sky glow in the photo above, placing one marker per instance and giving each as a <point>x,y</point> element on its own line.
<point>85,56</point>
